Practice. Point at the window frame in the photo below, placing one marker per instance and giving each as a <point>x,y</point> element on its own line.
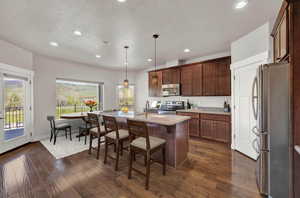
<point>100,85</point>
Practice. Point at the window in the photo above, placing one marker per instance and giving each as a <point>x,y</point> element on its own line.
<point>70,96</point>
<point>126,96</point>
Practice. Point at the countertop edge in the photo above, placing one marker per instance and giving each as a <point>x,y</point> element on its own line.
<point>204,112</point>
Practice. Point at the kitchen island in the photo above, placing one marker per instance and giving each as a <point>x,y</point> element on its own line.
<point>173,128</point>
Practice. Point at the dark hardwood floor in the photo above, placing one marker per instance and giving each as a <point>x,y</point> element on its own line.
<point>211,171</point>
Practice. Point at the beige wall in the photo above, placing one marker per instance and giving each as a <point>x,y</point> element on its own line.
<point>48,69</point>
<point>15,56</point>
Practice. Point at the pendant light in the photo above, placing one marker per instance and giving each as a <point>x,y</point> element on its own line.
<point>126,82</point>
<point>155,77</point>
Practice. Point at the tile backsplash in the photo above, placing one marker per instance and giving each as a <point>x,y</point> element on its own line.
<point>202,101</point>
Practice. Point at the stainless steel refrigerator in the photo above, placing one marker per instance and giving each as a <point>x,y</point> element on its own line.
<point>271,109</point>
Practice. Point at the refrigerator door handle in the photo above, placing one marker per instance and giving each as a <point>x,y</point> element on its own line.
<point>255,145</point>
<point>255,131</point>
<point>255,97</point>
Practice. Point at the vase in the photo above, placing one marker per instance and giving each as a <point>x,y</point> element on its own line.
<point>91,109</point>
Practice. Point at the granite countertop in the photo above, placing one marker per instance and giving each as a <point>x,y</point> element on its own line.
<point>167,120</point>
<point>208,110</point>
<point>297,149</point>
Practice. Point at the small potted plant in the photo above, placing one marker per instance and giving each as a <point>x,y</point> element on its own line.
<point>91,104</point>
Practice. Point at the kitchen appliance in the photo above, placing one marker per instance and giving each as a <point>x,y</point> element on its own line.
<point>271,110</point>
<point>170,90</point>
<point>170,107</point>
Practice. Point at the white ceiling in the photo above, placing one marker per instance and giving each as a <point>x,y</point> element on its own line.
<point>204,26</point>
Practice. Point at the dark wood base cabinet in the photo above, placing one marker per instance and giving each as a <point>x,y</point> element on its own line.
<point>210,126</point>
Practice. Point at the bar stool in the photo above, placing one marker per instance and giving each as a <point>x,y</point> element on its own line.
<point>146,145</point>
<point>114,136</point>
<point>96,132</point>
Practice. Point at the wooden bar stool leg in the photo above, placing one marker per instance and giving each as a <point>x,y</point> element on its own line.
<point>145,160</point>
<point>106,150</point>
<point>130,164</point>
<point>98,149</point>
<point>117,157</point>
<point>121,145</point>
<point>91,143</point>
<point>148,171</point>
<point>164,159</point>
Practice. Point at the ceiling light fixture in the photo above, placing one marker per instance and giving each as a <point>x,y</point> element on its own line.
<point>155,77</point>
<point>54,44</point>
<point>241,4</point>
<point>121,1</point>
<point>126,82</point>
<point>187,50</point>
<point>77,33</point>
<point>98,56</point>
<point>149,59</point>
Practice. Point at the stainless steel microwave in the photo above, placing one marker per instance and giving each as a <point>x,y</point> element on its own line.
<point>170,90</point>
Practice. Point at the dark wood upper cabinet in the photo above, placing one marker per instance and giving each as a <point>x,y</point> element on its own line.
<point>223,79</point>
<point>155,87</point>
<point>280,35</point>
<point>171,76</point>
<point>187,81</point>
<point>209,79</point>
<point>197,80</point>
<point>217,78</point>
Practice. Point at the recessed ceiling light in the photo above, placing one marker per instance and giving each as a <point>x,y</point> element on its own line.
<point>149,59</point>
<point>77,33</point>
<point>54,44</point>
<point>241,4</point>
<point>98,56</point>
<point>122,1</point>
<point>187,50</point>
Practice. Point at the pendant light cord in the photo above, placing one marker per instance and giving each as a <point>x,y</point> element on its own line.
<point>126,63</point>
<point>155,36</point>
<point>155,45</point>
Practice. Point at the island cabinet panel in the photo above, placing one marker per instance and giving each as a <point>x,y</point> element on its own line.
<point>171,76</point>
<point>155,86</point>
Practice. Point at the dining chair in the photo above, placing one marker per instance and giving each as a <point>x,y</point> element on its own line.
<point>97,131</point>
<point>55,128</point>
<point>114,136</point>
<point>141,142</point>
<point>84,129</point>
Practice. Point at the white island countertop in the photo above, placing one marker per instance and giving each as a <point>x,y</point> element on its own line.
<point>167,120</point>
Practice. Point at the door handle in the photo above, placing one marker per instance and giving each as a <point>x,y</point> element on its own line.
<point>255,97</point>
<point>255,146</point>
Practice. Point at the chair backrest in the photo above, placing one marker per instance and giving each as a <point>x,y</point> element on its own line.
<point>51,119</point>
<point>110,124</point>
<point>93,120</point>
<point>138,129</point>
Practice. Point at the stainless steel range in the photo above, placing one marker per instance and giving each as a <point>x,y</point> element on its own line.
<point>170,107</point>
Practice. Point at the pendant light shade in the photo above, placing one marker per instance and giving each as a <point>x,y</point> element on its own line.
<point>126,82</point>
<point>155,77</point>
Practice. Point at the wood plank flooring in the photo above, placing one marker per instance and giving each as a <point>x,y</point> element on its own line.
<point>211,171</point>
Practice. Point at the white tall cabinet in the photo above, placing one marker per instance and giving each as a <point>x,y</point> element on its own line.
<point>243,74</point>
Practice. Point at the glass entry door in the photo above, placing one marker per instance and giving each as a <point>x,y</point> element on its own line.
<point>14,111</point>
